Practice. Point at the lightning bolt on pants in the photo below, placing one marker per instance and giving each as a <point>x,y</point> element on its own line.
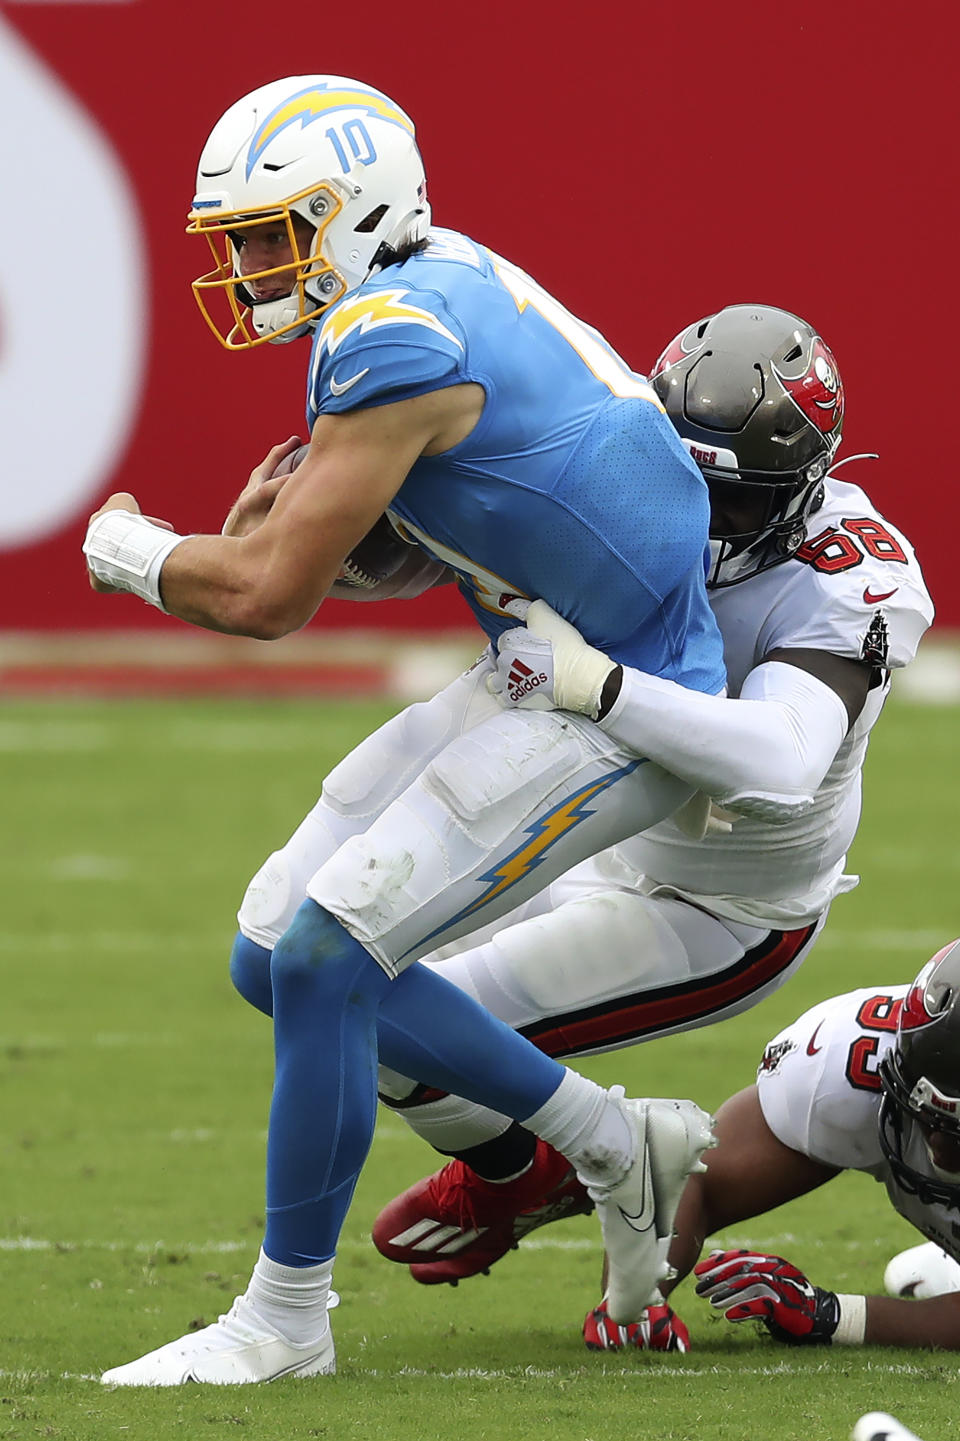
<point>452,813</point>
<point>491,820</point>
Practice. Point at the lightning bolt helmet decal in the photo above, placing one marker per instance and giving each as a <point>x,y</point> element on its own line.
<point>319,101</point>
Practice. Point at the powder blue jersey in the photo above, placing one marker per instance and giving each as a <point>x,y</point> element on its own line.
<point>572,487</point>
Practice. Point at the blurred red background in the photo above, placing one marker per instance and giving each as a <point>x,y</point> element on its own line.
<point>647,164</point>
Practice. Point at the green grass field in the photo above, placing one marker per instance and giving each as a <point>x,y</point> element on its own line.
<point>135,1089</point>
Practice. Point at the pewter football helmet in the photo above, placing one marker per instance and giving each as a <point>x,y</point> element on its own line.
<point>921,1080</point>
<point>757,399</point>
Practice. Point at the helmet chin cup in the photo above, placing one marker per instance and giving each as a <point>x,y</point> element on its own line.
<point>279,321</point>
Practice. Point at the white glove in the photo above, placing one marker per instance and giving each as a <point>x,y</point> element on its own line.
<point>547,665</point>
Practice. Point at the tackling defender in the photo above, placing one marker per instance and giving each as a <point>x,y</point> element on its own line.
<point>868,1081</point>
<point>511,443</point>
<point>818,598</point>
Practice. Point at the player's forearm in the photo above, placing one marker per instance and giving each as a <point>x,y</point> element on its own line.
<point>895,1322</point>
<point>204,583</point>
<point>764,754</point>
<point>238,587</point>
<point>242,586</point>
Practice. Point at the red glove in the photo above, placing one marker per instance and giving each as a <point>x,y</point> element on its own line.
<point>659,1329</point>
<point>747,1285</point>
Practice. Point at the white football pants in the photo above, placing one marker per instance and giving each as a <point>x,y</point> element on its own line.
<point>451,814</point>
<point>601,960</point>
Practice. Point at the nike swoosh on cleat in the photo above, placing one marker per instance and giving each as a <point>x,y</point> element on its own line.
<point>643,1219</point>
<point>641,1222</point>
<point>337,387</point>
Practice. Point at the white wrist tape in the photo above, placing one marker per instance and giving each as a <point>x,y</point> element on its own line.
<point>852,1326</point>
<point>127,551</point>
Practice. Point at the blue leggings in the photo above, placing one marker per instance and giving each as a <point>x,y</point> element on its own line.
<point>336,1015</point>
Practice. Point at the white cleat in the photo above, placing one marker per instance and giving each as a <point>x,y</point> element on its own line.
<point>920,1272</point>
<point>636,1216</point>
<point>240,1348</point>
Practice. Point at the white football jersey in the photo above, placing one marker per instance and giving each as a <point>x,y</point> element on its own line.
<point>854,589</point>
<point>820,1094</point>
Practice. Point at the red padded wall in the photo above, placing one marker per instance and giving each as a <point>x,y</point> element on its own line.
<point>647,164</point>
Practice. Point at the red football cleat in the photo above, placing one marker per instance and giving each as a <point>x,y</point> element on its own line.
<point>454,1224</point>
<point>659,1329</point>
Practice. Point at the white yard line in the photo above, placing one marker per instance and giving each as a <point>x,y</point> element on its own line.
<point>678,1371</point>
<point>32,1244</point>
<point>728,1241</point>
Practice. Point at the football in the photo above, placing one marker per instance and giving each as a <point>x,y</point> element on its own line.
<point>291,461</point>
<point>376,557</point>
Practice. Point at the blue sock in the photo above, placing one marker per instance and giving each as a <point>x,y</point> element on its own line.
<point>327,992</point>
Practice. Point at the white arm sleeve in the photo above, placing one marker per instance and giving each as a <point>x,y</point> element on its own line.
<point>763,755</point>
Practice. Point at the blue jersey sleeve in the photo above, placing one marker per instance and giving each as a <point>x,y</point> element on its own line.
<point>382,346</point>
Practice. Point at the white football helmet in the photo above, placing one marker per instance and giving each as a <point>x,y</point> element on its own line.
<point>337,153</point>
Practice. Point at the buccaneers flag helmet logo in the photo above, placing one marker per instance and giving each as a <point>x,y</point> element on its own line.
<point>819,391</point>
<point>914,1012</point>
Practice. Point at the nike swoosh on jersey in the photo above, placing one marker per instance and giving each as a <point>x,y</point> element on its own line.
<point>813,1050</point>
<point>870,599</point>
<point>337,387</point>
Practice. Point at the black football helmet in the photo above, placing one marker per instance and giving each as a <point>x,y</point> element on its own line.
<point>920,1077</point>
<point>757,399</point>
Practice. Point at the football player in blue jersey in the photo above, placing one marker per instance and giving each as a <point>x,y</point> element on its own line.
<point>510,443</point>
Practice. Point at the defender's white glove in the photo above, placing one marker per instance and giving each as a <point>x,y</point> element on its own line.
<point>547,665</point>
